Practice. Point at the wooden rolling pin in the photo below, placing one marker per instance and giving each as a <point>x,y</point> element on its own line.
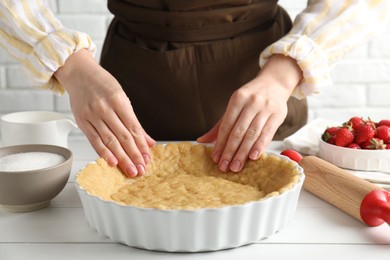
<point>357,197</point>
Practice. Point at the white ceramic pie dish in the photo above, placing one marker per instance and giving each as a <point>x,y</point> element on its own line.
<point>355,159</point>
<point>207,229</point>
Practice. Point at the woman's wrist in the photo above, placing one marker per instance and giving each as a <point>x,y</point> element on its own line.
<point>282,71</point>
<point>77,64</point>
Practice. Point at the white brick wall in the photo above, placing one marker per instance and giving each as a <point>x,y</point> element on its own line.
<point>361,80</point>
<point>2,77</point>
<point>82,7</point>
<point>16,94</point>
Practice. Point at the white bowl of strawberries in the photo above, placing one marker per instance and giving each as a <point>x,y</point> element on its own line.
<point>357,144</point>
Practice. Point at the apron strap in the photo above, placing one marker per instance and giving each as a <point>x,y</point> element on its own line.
<point>194,25</point>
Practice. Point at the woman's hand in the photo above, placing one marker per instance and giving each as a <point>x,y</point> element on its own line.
<point>254,113</point>
<point>104,113</point>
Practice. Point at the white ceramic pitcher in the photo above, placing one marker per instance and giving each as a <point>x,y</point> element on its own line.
<point>36,127</point>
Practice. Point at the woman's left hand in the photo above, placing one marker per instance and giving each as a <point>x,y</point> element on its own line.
<point>254,113</point>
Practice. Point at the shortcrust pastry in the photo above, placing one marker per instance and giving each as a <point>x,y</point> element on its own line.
<point>182,176</point>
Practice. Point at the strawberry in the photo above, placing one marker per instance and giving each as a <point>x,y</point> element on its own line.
<point>353,146</point>
<point>370,122</point>
<point>293,155</point>
<point>373,144</point>
<point>329,134</point>
<point>332,130</point>
<point>332,140</point>
<point>345,136</point>
<point>364,132</point>
<point>385,122</point>
<point>388,146</point>
<point>355,121</point>
<point>383,132</point>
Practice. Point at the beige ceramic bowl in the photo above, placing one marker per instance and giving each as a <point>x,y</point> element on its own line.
<point>23,191</point>
<point>355,159</point>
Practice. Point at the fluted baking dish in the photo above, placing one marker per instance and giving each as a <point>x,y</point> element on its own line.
<point>205,229</point>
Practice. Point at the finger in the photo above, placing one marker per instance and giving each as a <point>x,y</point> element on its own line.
<point>236,137</point>
<point>133,127</point>
<point>151,142</point>
<point>112,143</point>
<point>97,144</point>
<point>228,121</point>
<point>125,145</point>
<point>251,136</point>
<point>211,135</point>
<point>266,136</point>
<point>110,140</point>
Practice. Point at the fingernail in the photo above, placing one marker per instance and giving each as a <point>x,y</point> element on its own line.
<point>146,158</point>
<point>141,169</point>
<point>131,171</point>
<point>254,155</point>
<point>216,156</point>
<point>223,166</point>
<point>235,166</point>
<point>112,161</point>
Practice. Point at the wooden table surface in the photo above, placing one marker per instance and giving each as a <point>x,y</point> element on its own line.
<point>317,231</point>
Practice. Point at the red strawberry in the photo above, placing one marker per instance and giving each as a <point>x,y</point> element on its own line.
<point>345,136</point>
<point>329,134</point>
<point>383,132</point>
<point>332,130</point>
<point>388,146</point>
<point>293,155</point>
<point>332,140</point>
<point>364,132</point>
<point>374,144</point>
<point>355,121</point>
<point>370,122</point>
<point>385,122</point>
<point>354,146</point>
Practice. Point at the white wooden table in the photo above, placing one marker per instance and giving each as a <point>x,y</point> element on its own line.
<point>318,231</point>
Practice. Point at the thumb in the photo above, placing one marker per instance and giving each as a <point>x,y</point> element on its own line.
<point>210,136</point>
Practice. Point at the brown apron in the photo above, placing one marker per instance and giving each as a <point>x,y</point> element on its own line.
<point>179,61</point>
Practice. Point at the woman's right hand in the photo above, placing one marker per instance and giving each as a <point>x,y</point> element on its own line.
<point>104,113</point>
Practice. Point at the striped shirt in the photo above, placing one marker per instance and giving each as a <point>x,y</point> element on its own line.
<point>36,38</point>
<point>322,34</point>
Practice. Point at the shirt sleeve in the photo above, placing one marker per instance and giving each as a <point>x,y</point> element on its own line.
<point>323,33</point>
<point>36,38</point>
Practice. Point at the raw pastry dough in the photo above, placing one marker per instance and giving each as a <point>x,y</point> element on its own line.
<point>183,176</point>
